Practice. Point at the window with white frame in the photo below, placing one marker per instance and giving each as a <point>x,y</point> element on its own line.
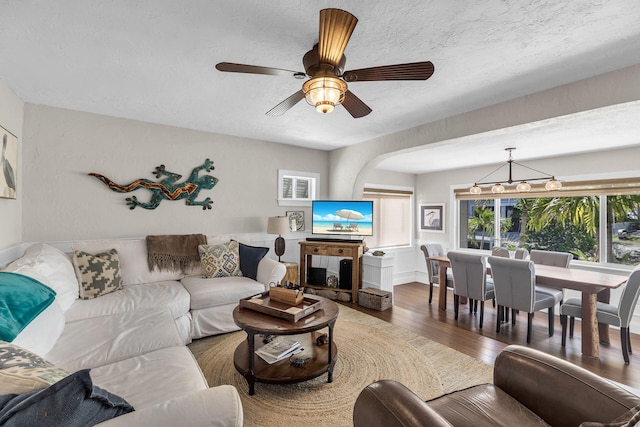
<point>297,188</point>
<point>392,216</point>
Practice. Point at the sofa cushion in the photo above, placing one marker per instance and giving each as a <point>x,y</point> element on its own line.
<point>72,401</point>
<point>22,371</point>
<point>630,419</point>
<point>484,405</point>
<point>102,340</point>
<point>212,292</point>
<point>133,260</point>
<point>250,257</point>
<point>154,377</point>
<point>51,267</point>
<point>220,260</point>
<point>170,294</point>
<point>42,333</point>
<point>98,274</point>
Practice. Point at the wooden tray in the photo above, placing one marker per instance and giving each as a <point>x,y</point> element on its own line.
<point>293,313</point>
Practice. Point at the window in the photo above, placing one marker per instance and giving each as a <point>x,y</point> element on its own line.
<point>297,188</point>
<point>392,216</point>
<point>596,221</point>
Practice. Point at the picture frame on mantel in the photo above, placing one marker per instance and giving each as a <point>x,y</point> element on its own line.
<point>296,220</point>
<point>8,164</point>
<point>432,217</point>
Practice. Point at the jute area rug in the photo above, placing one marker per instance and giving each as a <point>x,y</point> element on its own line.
<point>369,349</point>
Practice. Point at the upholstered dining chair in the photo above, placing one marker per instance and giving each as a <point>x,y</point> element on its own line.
<point>515,289</point>
<point>554,259</point>
<point>616,315</point>
<point>434,249</point>
<point>470,280</point>
<point>521,253</point>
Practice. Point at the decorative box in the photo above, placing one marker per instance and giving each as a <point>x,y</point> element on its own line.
<point>287,296</point>
<point>375,299</point>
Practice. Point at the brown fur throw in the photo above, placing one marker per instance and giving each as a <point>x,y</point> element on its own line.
<point>174,252</point>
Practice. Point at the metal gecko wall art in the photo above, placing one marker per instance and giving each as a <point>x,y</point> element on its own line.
<point>168,188</point>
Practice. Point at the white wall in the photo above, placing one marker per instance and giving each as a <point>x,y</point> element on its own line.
<point>11,116</point>
<point>62,203</point>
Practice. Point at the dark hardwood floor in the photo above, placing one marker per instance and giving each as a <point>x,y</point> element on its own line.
<point>411,310</point>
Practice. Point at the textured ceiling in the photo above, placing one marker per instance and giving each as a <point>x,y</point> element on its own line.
<point>154,60</point>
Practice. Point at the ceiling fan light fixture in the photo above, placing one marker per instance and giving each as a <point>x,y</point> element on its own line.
<point>324,93</point>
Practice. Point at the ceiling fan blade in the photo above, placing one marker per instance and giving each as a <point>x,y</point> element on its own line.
<point>254,69</point>
<point>285,105</point>
<point>355,106</point>
<point>336,26</point>
<point>411,71</point>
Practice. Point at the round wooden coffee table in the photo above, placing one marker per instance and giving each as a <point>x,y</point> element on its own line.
<point>322,357</point>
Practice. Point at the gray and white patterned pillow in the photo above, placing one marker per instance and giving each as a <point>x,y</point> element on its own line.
<point>220,260</point>
<point>22,371</point>
<point>98,274</point>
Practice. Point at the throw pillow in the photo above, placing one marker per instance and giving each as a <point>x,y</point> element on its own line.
<point>250,257</point>
<point>22,371</point>
<point>72,401</point>
<point>98,274</point>
<point>220,260</point>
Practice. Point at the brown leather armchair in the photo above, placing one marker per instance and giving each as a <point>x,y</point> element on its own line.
<point>530,388</point>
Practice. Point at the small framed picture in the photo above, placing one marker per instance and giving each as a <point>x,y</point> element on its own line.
<point>432,217</point>
<point>296,220</point>
<point>8,164</point>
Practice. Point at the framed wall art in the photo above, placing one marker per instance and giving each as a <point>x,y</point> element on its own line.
<point>432,217</point>
<point>8,164</point>
<point>296,220</point>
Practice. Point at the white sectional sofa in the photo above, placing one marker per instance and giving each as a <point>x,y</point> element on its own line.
<point>134,339</point>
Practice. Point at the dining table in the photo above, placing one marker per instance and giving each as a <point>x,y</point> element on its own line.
<point>594,286</point>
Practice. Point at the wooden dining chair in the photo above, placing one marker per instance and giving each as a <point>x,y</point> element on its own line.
<point>470,280</point>
<point>514,283</point>
<point>611,314</point>
<point>430,250</point>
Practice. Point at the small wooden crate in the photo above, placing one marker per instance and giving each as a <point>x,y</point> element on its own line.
<point>287,296</point>
<point>375,299</point>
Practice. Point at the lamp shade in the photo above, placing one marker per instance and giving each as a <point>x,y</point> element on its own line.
<point>278,225</point>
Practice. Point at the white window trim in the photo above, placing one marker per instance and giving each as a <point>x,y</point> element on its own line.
<point>313,191</point>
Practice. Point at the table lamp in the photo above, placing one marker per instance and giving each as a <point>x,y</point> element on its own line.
<point>278,225</point>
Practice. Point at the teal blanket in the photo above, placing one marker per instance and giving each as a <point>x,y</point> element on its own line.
<point>21,300</point>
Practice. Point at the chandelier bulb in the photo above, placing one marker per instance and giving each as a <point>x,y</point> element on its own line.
<point>523,187</point>
<point>475,189</point>
<point>553,185</point>
<point>497,189</point>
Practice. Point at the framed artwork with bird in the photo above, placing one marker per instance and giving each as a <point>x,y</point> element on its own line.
<point>8,164</point>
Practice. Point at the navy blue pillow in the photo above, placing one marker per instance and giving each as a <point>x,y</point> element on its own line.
<point>250,257</point>
<point>72,401</point>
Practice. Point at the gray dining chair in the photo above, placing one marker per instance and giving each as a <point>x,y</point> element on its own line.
<point>616,315</point>
<point>554,259</point>
<point>514,282</point>
<point>434,249</point>
<point>470,280</point>
<point>521,253</point>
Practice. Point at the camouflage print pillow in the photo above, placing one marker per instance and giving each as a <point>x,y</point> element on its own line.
<point>22,371</point>
<point>98,274</point>
<point>220,260</point>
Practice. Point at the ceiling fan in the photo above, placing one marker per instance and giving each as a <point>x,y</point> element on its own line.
<point>324,64</point>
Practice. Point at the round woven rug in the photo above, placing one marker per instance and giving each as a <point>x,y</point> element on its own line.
<point>367,351</point>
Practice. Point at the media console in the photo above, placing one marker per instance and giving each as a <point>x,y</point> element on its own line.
<point>349,249</point>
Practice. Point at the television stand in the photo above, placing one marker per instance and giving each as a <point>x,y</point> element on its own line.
<point>347,249</point>
<point>330,240</point>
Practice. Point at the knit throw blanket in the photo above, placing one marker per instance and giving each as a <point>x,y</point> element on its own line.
<point>174,252</point>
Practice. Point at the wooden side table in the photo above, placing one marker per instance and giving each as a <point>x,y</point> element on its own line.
<point>292,272</point>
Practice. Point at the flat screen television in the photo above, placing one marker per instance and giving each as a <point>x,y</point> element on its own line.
<point>342,218</point>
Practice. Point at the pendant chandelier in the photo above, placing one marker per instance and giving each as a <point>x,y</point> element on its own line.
<point>523,185</point>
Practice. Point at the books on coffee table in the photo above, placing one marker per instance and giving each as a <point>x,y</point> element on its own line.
<point>279,348</point>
